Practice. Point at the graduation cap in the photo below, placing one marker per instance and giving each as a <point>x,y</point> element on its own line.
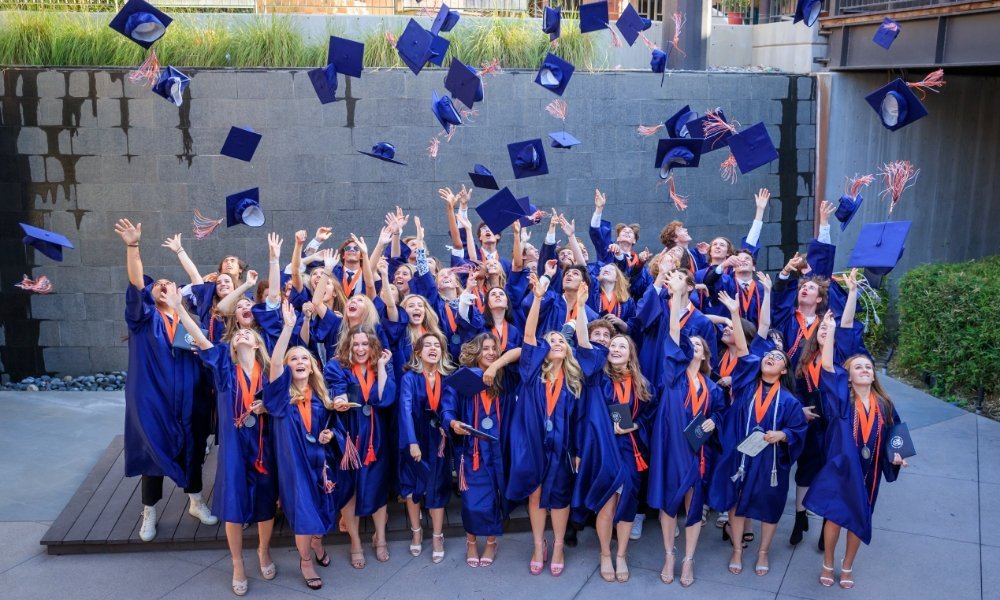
<point>140,22</point>
<point>674,153</point>
<point>171,85</point>
<point>445,112</point>
<point>847,208</point>
<point>593,16</point>
<point>752,148</point>
<point>383,151</point>
<point>466,381</point>
<point>49,243</point>
<point>445,20</point>
<point>244,207</point>
<point>880,246</point>
<point>324,81</point>
<point>886,33</point>
<point>346,56</point>
<point>713,141</point>
<point>808,11</point>
<point>414,46</point>
<point>554,74</point>
<point>502,209</point>
<point>562,139</point>
<point>658,63</point>
<point>551,18</point>
<point>676,125</point>
<point>464,83</point>
<point>532,209</point>
<point>439,47</point>
<point>483,178</point>
<point>527,158</point>
<point>241,143</point>
<point>896,104</point>
<point>631,24</point>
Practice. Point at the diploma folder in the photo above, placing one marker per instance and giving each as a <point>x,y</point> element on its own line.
<point>621,414</point>
<point>696,436</point>
<point>481,434</point>
<point>900,441</point>
<point>183,339</point>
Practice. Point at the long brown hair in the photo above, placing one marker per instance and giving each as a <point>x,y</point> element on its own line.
<point>445,365</point>
<point>640,385</point>
<point>469,357</point>
<point>316,382</point>
<point>823,296</point>
<point>620,291</point>
<point>431,323</point>
<point>343,353</point>
<point>885,402</point>
<point>706,363</point>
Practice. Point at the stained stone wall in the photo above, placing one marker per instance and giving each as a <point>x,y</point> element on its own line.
<point>82,148</point>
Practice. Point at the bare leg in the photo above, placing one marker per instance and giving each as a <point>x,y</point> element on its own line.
<point>413,513</point>
<point>736,536</point>
<point>831,534</point>
<point>846,576</point>
<point>560,518</point>
<point>264,531</point>
<point>623,530</point>
<point>536,515</point>
<point>437,540</point>
<point>317,546</point>
<point>605,524</point>
<point>234,536</point>
<point>303,543</point>
<point>380,518</point>
<point>766,536</point>
<point>472,550</point>
<point>353,526</point>
<point>668,525</point>
<point>691,535</point>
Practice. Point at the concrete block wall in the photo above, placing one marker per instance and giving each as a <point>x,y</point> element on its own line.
<point>81,148</point>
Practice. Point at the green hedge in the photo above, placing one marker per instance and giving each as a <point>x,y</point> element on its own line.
<point>949,324</point>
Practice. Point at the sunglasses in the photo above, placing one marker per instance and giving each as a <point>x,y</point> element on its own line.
<point>352,248</point>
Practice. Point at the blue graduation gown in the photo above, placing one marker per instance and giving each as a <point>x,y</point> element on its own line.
<point>246,491</point>
<point>514,337</point>
<point>552,312</point>
<point>674,468</point>
<point>539,457</point>
<point>269,325</point>
<point>427,481</point>
<point>464,330</point>
<point>846,488</point>
<point>204,295</point>
<point>753,495</point>
<point>371,481</point>
<point>160,406</point>
<point>303,470</point>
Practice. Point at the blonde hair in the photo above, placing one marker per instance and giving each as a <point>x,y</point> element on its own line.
<point>445,365</point>
<point>431,323</point>
<point>572,373</point>
<point>640,385</point>
<point>260,354</point>
<point>620,291</point>
<point>369,319</point>
<point>316,382</point>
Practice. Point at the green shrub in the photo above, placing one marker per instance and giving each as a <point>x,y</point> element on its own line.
<point>948,315</point>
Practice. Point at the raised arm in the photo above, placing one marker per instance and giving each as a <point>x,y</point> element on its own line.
<point>569,228</point>
<point>847,318</point>
<point>539,286</point>
<point>281,345</point>
<point>131,234</point>
<point>517,258</point>
<point>760,200</point>
<point>470,240</point>
<point>383,374</point>
<point>391,309</point>
<point>828,342</point>
<point>739,337</point>
<point>296,266</point>
<point>274,269</point>
<point>227,305</point>
<point>174,243</point>
<point>582,335</point>
<point>678,300</point>
<point>764,318</point>
<point>449,199</point>
<point>509,357</point>
<point>193,329</point>
<point>322,283</point>
<point>366,267</point>
<point>384,237</point>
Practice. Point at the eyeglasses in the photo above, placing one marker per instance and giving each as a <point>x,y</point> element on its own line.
<point>775,355</point>
<point>352,248</point>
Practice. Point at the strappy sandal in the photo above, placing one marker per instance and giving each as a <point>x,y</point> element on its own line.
<point>734,567</point>
<point>381,550</point>
<point>437,555</point>
<point>759,569</point>
<point>609,573</point>
<point>556,569</point>
<point>416,549</point>
<point>846,582</point>
<point>472,561</point>
<point>358,559</point>
<point>668,567</point>
<point>485,561</point>
<point>268,572</point>
<point>536,566</point>
<point>313,583</point>
<point>323,561</point>
<point>826,581</point>
<point>621,569</point>
<point>687,581</point>
<point>240,587</point>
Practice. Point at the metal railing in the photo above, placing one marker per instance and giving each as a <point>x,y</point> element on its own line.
<point>852,7</point>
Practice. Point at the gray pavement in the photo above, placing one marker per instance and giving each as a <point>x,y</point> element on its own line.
<point>937,529</point>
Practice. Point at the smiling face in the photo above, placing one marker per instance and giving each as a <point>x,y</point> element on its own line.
<point>618,351</point>
<point>744,266</point>
<point>355,309</point>
<point>699,352</point>
<point>773,365</point>
<point>360,348</point>
<point>314,276</point>
<point>244,338</point>
<point>497,299</point>
<point>727,335</point>
<point>224,285</point>
<point>565,258</point>
<point>488,354</point>
<point>719,249</point>
<point>558,348</point>
<point>350,253</point>
<point>600,333</point>
<point>231,266</point>
<point>626,237</point>
<point>299,363</point>
<point>446,281</point>
<point>402,279</point>
<point>244,313</point>
<point>430,350</point>
<point>821,332</point>
<point>415,310</point>
<point>861,371</point>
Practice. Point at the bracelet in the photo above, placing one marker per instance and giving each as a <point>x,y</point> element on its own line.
<point>135,245</point>
<point>178,253</point>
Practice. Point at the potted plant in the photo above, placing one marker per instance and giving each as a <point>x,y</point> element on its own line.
<point>735,10</point>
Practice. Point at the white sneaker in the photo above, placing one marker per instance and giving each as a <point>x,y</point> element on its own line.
<point>199,510</point>
<point>148,530</point>
<point>636,532</point>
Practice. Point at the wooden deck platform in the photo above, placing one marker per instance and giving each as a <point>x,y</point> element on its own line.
<point>105,513</point>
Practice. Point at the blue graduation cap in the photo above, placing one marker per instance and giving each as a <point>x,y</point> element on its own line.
<point>414,46</point>
<point>896,104</point>
<point>502,209</point>
<point>676,125</point>
<point>658,62</point>
<point>527,158</point>
<point>562,139</point>
<point>140,22</point>
<point>716,141</point>
<point>532,209</point>
<point>808,11</point>
<point>631,24</point>
<point>383,151</point>
<point>886,33</point>
<point>752,148</point>
<point>445,20</point>
<point>324,81</point>
<point>466,381</point>
<point>551,18</point>
<point>464,83</point>
<point>49,243</point>
<point>171,85</point>
<point>847,208</point>
<point>672,153</point>
<point>346,56</point>
<point>554,74</point>
<point>880,246</point>
<point>244,207</point>
<point>439,47</point>
<point>241,143</point>
<point>483,178</point>
<point>445,112</point>
<point>593,16</point>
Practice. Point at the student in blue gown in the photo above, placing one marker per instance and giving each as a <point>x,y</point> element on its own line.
<point>165,425</point>
<point>246,478</point>
<point>622,251</point>
<point>557,310</point>
<point>297,399</point>
<point>406,324</point>
<point>360,379</point>
<point>499,319</point>
<point>424,452</point>
<point>544,425</point>
<point>848,343</point>
<point>620,382</point>
<point>674,234</point>
<point>611,295</point>
<point>679,475</point>
<point>756,487</point>
<point>858,456</point>
<point>481,463</point>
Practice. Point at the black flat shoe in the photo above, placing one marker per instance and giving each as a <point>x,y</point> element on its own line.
<point>801,526</point>
<point>570,538</point>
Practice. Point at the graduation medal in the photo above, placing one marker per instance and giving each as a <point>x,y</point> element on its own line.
<point>456,339</point>
<point>310,438</point>
<point>366,410</point>
<point>487,423</point>
<point>249,420</point>
<point>865,452</point>
<point>548,425</point>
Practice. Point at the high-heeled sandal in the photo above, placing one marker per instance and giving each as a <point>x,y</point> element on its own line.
<point>621,569</point>
<point>437,555</point>
<point>535,566</point>
<point>472,561</point>
<point>736,568</point>
<point>240,587</point>
<point>668,567</point>
<point>313,583</point>
<point>485,561</point>
<point>609,574</point>
<point>358,559</point>
<point>268,572</point>
<point>381,550</point>
<point>759,569</point>
<point>826,581</point>
<point>687,581</point>
<point>556,569</point>
<point>323,561</point>
<point>416,549</point>
<point>846,582</point>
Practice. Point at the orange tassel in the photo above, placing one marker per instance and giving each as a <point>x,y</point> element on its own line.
<point>350,460</point>
<point>475,458</point>
<point>441,444</point>
<point>640,463</point>
<point>370,456</point>
<point>463,485</point>
<point>728,169</point>
<point>934,80</point>
<point>648,130</point>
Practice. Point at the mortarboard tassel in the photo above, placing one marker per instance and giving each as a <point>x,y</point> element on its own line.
<point>467,114</point>
<point>648,130</point>
<point>328,485</point>
<point>898,176</point>
<point>42,285</point>
<point>463,485</point>
<point>615,40</point>
<point>679,201</point>
<point>490,68</point>
<point>679,21</point>
<point>855,184</point>
<point>432,149</point>
<point>557,108</point>
<point>391,38</point>
<point>934,80</point>
<point>149,71</point>
<point>645,40</point>
<point>203,226</point>
<point>716,125</point>
<point>350,460</point>
<point>441,444</point>
<point>729,169</point>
